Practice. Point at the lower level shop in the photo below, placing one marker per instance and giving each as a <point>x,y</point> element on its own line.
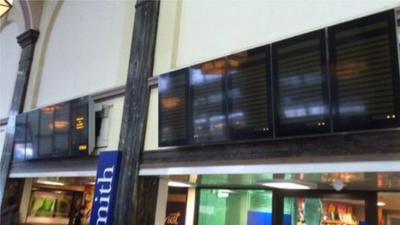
<point>247,199</point>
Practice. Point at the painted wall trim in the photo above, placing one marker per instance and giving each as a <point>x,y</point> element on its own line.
<point>334,167</point>
<point>76,173</point>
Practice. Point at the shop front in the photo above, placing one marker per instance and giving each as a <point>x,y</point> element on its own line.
<point>260,199</point>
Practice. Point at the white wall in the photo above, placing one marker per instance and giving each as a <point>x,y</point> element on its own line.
<point>111,125</point>
<point>9,58</point>
<point>11,25</point>
<point>209,29</point>
<point>2,137</point>
<point>83,48</point>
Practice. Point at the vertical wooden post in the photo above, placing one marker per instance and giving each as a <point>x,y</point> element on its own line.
<point>132,191</point>
<point>27,42</point>
<point>371,209</point>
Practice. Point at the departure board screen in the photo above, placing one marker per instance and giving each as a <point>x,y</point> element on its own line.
<point>208,102</point>
<point>173,122</point>
<point>300,85</point>
<point>61,125</point>
<point>79,124</point>
<point>249,93</point>
<point>60,130</point>
<point>365,71</point>
<point>46,126</point>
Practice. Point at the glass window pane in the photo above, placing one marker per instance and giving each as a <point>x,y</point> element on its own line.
<point>325,211</point>
<point>235,207</point>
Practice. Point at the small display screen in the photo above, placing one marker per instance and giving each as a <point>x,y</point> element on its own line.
<point>54,131</point>
<point>173,92</point>
<point>249,91</point>
<point>301,88</point>
<point>365,72</point>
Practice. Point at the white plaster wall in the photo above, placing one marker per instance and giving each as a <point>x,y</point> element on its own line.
<point>2,137</point>
<point>209,29</point>
<point>111,125</point>
<point>9,58</point>
<point>151,138</point>
<point>83,48</point>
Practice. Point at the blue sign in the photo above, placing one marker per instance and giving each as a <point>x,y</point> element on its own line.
<point>106,188</point>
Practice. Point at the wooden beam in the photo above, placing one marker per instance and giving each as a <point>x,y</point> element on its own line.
<point>130,196</point>
<point>27,42</point>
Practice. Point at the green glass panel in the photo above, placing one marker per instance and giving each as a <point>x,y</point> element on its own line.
<point>235,207</point>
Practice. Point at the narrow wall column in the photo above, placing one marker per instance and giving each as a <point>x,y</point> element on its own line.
<point>137,197</point>
<point>27,42</point>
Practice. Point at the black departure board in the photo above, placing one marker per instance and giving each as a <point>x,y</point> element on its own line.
<point>365,73</point>
<point>249,104</point>
<point>208,102</point>
<point>301,85</point>
<point>60,130</point>
<point>173,106</point>
<point>340,78</point>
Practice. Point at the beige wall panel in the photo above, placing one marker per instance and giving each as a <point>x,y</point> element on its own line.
<point>80,54</point>
<point>9,59</point>
<point>210,29</point>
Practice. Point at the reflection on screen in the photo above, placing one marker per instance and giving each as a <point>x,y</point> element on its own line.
<point>299,68</point>
<point>209,122</point>
<point>363,72</point>
<point>173,108</point>
<point>248,105</point>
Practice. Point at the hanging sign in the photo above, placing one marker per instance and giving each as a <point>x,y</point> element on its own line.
<point>106,188</point>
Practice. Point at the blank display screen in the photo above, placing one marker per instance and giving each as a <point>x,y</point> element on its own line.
<point>173,108</point>
<point>208,115</point>
<point>249,89</point>
<point>365,70</point>
<point>301,85</point>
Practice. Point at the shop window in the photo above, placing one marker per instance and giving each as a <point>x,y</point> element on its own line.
<point>389,208</point>
<point>60,201</point>
<point>235,207</point>
<point>176,206</point>
<point>323,211</point>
